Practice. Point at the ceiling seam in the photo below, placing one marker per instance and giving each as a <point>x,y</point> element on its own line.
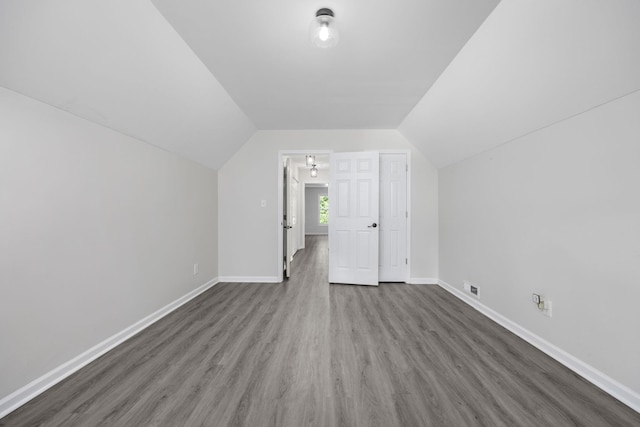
<point>544,127</point>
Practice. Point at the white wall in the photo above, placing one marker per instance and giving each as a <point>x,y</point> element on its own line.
<point>97,231</point>
<point>248,239</point>
<point>312,210</point>
<point>556,212</point>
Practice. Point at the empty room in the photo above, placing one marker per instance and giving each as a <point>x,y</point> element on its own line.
<point>341,213</point>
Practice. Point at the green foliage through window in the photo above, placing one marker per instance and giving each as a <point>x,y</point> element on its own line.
<point>324,209</point>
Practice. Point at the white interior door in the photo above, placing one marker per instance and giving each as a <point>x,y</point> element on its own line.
<point>353,218</point>
<point>393,218</point>
<point>286,210</point>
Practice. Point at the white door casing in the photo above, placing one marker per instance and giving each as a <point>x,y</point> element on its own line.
<point>353,220</point>
<point>393,218</point>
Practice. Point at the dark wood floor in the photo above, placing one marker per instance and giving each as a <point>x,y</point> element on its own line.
<point>308,353</point>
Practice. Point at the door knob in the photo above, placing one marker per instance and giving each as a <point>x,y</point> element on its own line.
<point>374,225</point>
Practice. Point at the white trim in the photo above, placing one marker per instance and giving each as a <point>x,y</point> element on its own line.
<point>51,378</point>
<point>422,281</point>
<point>249,279</point>
<point>410,213</point>
<point>621,392</point>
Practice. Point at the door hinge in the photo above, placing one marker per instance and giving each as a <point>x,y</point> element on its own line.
<point>407,168</point>
<point>406,261</point>
<point>406,214</point>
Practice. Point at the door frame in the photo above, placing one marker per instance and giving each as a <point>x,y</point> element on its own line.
<point>281,155</point>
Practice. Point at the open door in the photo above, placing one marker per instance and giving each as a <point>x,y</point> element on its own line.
<point>353,222</point>
<point>286,218</point>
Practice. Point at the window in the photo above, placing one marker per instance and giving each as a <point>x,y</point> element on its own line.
<point>324,210</point>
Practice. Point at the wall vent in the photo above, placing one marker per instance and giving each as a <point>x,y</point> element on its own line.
<point>471,289</point>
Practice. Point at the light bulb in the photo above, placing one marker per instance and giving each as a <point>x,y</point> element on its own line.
<point>323,31</point>
<point>323,34</point>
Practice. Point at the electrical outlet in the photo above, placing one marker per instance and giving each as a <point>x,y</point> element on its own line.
<point>195,269</point>
<point>546,309</point>
<point>543,305</point>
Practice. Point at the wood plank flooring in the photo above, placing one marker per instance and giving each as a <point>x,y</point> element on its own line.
<point>306,353</point>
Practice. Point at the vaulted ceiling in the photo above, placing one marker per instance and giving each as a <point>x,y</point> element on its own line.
<point>199,77</point>
<point>389,54</point>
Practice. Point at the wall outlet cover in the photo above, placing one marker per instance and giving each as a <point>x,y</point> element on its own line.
<point>547,309</point>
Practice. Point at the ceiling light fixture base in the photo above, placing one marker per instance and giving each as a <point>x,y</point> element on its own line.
<point>324,12</point>
<point>323,31</point>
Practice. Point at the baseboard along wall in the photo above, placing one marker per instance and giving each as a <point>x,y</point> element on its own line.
<point>248,279</point>
<point>621,392</point>
<point>422,281</point>
<point>51,378</point>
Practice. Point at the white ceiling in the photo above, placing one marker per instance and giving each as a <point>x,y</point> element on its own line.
<point>531,64</point>
<point>119,64</point>
<point>388,56</point>
<point>198,77</point>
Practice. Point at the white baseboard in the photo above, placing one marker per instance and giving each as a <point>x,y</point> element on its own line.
<point>422,281</point>
<point>621,392</point>
<point>51,378</point>
<point>249,279</point>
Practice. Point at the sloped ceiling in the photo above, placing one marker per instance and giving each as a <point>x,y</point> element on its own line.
<point>120,64</point>
<point>388,56</point>
<point>198,77</point>
<point>531,64</point>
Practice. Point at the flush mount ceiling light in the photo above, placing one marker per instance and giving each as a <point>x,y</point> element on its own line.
<point>323,31</point>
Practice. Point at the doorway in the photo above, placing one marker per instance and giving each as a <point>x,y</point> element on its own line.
<point>316,209</point>
<point>293,176</point>
<point>392,258</point>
